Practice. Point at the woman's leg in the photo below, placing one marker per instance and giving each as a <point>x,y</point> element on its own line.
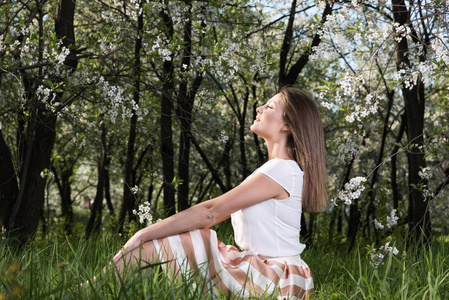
<point>138,257</point>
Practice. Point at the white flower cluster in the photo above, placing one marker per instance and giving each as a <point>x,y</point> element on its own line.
<point>374,33</point>
<point>427,194</point>
<point>135,189</point>
<point>116,99</point>
<point>425,173</point>
<point>134,9</point>
<point>224,137</point>
<point>441,50</point>
<point>347,150</point>
<point>376,257</point>
<point>57,56</point>
<point>362,111</point>
<point>162,46</point>
<point>352,190</point>
<point>144,214</point>
<point>401,31</point>
<point>392,220</point>
<point>378,225</point>
<point>406,76</point>
<point>43,94</point>
<point>350,83</point>
<point>323,51</point>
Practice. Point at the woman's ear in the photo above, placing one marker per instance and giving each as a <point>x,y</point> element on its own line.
<point>286,128</point>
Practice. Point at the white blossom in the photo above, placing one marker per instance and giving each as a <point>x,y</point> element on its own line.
<point>352,190</point>
<point>143,212</point>
<point>425,173</point>
<point>378,225</point>
<point>377,256</point>
<point>135,189</point>
<point>392,219</point>
<point>223,137</point>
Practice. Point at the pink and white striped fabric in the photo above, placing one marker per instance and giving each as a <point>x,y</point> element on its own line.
<point>234,272</point>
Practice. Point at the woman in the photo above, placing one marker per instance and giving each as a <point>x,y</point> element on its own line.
<point>265,211</point>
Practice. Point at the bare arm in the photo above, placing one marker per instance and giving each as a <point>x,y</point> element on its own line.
<point>206,214</point>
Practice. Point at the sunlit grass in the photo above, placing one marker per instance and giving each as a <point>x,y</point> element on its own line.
<point>53,268</point>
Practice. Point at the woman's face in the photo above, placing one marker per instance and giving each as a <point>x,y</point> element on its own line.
<point>269,122</point>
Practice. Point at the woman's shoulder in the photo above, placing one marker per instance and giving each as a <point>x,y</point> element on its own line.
<point>280,165</point>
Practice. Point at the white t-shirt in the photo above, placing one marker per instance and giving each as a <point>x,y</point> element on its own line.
<point>271,227</point>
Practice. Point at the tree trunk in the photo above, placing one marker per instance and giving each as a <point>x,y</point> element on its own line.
<point>63,183</point>
<point>414,102</point>
<point>9,188</point>
<point>186,100</point>
<point>129,201</point>
<point>166,126</point>
<point>242,129</point>
<point>184,114</point>
<point>371,195</point>
<point>97,207</point>
<point>394,183</point>
<point>24,217</point>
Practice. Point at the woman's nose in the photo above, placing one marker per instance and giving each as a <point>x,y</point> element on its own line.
<point>259,110</point>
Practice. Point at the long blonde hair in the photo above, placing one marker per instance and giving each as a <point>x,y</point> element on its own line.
<point>306,145</point>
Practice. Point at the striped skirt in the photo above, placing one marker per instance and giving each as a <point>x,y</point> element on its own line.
<point>233,272</point>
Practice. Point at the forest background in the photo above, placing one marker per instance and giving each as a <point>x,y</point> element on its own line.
<point>115,112</point>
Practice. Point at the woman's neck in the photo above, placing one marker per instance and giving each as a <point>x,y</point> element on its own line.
<point>277,150</point>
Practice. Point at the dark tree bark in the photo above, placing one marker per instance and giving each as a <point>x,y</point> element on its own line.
<point>414,102</point>
<point>129,201</point>
<point>166,125</point>
<point>97,207</point>
<point>394,182</point>
<point>9,188</point>
<point>63,182</point>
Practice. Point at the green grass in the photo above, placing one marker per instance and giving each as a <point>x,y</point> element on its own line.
<point>52,268</point>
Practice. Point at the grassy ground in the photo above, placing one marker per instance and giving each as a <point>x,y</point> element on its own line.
<point>53,267</point>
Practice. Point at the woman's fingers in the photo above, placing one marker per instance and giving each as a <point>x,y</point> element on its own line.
<point>118,256</point>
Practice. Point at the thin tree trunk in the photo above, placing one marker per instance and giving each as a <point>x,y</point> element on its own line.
<point>64,186</point>
<point>184,111</point>
<point>414,102</point>
<point>371,195</point>
<point>166,149</point>
<point>394,183</point>
<point>242,129</point>
<point>336,213</point>
<point>260,155</point>
<point>97,207</point>
<point>129,202</point>
<point>184,114</point>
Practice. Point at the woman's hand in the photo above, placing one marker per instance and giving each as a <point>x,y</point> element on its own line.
<point>134,242</point>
